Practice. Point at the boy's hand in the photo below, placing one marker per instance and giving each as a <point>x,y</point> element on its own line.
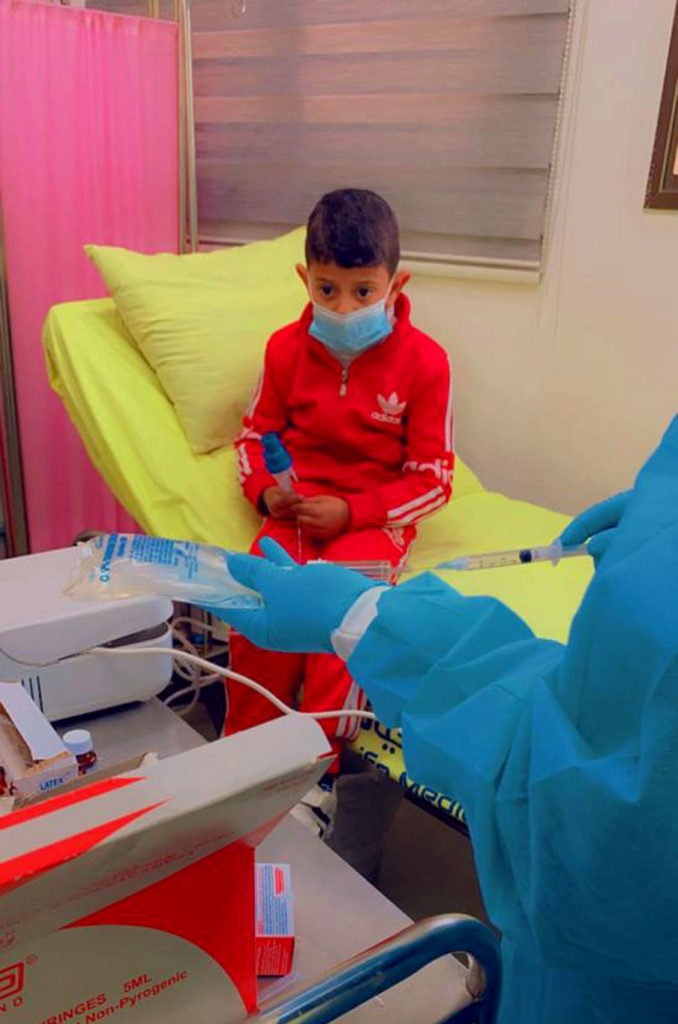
<point>323,516</point>
<point>281,504</point>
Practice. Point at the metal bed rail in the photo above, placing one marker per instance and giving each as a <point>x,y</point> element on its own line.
<point>361,978</point>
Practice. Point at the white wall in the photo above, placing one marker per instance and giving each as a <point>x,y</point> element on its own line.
<point>562,389</point>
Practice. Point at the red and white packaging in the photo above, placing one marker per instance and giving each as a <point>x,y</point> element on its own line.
<point>133,897</point>
<point>274,929</point>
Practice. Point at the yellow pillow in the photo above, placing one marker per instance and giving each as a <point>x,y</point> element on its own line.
<point>202,321</point>
<point>134,439</point>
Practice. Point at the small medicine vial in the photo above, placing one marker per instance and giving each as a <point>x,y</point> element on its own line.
<point>79,742</point>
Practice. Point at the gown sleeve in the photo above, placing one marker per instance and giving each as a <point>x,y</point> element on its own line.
<point>564,758</point>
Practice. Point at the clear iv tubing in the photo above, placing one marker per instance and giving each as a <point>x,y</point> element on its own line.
<point>227,673</point>
<point>209,666</point>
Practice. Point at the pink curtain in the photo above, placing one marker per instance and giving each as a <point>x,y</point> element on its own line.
<point>88,153</point>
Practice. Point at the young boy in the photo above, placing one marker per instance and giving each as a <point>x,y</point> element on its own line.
<point>362,401</point>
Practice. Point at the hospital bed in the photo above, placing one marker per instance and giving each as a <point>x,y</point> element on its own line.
<point>133,437</point>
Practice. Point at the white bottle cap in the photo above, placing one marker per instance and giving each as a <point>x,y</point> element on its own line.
<point>78,741</point>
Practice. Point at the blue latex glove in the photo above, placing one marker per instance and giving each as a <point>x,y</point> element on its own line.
<point>303,604</point>
<point>597,523</point>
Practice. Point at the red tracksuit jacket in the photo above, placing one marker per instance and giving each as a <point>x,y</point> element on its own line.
<point>378,434</point>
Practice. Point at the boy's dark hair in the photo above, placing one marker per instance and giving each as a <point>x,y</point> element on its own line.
<point>353,228</point>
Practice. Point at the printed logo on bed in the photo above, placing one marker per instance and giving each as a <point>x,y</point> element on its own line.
<point>11,985</point>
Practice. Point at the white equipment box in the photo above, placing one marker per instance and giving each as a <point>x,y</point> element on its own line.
<point>42,635</point>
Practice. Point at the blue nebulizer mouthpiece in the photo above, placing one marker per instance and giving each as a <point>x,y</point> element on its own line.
<point>276,456</point>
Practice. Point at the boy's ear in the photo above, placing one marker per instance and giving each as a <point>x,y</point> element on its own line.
<point>302,271</point>
<point>399,281</point>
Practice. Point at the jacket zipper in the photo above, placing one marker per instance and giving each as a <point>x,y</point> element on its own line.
<point>344,382</point>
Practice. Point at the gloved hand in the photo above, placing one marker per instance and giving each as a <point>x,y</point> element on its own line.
<point>597,523</point>
<point>303,604</point>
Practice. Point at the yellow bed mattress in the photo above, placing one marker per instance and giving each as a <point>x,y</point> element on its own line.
<point>133,437</point>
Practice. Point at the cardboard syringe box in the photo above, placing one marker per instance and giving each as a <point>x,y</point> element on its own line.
<point>274,928</point>
<point>133,897</point>
<point>33,756</point>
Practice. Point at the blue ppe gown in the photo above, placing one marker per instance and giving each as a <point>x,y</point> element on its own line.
<point>565,759</point>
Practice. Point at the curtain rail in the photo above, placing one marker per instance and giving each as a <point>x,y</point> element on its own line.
<point>188,182</point>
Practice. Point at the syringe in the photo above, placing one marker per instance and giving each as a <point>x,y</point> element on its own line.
<point>520,556</point>
<point>384,572</point>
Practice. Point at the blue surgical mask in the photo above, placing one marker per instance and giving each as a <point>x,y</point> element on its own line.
<point>352,333</point>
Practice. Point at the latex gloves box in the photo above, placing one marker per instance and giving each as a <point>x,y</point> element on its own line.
<point>133,897</point>
<point>33,758</point>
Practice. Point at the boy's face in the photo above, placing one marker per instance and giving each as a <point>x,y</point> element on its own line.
<point>344,290</point>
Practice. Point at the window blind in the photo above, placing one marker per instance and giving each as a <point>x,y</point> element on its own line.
<point>448,108</point>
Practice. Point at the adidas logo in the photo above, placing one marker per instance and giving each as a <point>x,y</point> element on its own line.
<point>391,409</point>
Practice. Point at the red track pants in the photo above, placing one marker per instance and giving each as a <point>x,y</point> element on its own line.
<point>310,682</point>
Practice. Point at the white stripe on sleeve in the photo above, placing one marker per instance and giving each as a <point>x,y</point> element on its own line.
<point>420,513</point>
<point>395,513</point>
<point>244,461</point>
<point>252,407</point>
<point>449,439</point>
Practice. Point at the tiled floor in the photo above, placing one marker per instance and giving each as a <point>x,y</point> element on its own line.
<point>428,867</point>
<point>200,720</point>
